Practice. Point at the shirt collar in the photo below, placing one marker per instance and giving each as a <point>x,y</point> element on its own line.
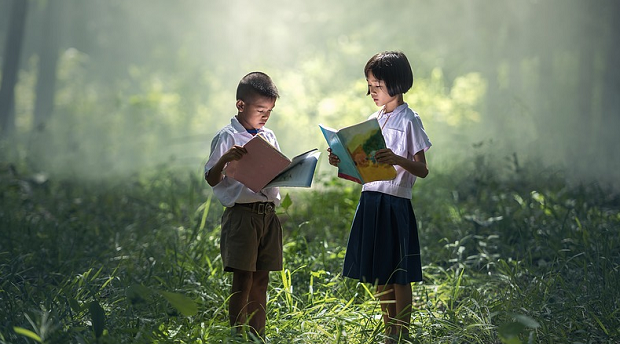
<point>239,128</point>
<point>398,109</point>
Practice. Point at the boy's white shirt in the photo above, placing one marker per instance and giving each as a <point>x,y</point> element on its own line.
<point>229,191</point>
<point>404,134</point>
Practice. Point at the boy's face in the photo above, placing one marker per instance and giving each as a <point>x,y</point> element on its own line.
<point>254,113</point>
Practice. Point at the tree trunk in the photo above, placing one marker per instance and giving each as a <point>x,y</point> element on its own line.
<point>610,114</point>
<point>586,120</point>
<point>11,65</point>
<point>545,46</point>
<point>48,61</point>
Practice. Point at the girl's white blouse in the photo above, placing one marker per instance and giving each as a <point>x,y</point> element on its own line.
<point>404,134</point>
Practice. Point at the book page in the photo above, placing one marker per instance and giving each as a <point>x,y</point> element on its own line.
<point>362,141</point>
<point>299,173</point>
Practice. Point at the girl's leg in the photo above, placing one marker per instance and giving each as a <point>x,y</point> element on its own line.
<point>237,311</point>
<point>257,302</point>
<point>388,307</point>
<point>403,308</point>
<point>396,302</point>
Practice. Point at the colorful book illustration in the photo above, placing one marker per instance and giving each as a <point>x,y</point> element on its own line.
<point>356,146</point>
<point>264,166</point>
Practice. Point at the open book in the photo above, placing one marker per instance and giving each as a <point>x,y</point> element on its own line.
<point>264,166</point>
<point>356,146</point>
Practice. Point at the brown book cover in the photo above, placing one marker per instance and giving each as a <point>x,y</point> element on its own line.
<point>263,165</point>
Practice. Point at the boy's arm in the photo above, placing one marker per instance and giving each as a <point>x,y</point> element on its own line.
<point>214,175</point>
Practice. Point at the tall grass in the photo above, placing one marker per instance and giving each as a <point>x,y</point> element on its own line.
<point>510,256</point>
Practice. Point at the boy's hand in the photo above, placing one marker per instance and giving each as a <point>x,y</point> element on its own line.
<point>333,158</point>
<point>214,175</point>
<point>234,153</point>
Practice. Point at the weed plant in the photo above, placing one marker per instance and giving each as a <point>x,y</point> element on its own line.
<point>510,256</point>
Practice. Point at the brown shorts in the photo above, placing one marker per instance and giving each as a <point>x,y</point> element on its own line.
<point>251,238</point>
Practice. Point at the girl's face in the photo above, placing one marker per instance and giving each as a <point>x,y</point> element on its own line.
<point>255,113</point>
<point>379,93</point>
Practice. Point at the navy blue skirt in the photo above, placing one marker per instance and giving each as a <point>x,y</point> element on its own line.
<point>383,245</point>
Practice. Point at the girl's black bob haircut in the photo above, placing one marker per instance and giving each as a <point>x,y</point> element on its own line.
<point>393,68</point>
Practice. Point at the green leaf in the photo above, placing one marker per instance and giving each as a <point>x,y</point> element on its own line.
<point>75,305</point>
<point>182,303</point>
<point>97,317</point>
<point>526,320</point>
<point>509,332</point>
<point>27,333</point>
<point>286,202</point>
<point>137,293</point>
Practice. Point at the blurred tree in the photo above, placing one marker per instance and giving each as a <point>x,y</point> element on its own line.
<point>542,73</point>
<point>610,116</point>
<point>10,66</point>
<point>48,62</point>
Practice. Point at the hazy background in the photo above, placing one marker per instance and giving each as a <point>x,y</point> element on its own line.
<point>105,88</point>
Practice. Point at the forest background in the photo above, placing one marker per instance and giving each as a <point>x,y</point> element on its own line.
<point>118,95</point>
<point>107,88</point>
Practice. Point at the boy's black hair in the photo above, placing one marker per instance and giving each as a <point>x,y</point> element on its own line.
<point>256,83</point>
<point>393,68</point>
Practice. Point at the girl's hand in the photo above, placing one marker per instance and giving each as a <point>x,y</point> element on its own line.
<point>234,153</point>
<point>333,158</point>
<point>386,156</point>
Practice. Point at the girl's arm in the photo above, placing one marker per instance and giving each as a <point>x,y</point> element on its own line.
<point>334,160</point>
<point>417,166</point>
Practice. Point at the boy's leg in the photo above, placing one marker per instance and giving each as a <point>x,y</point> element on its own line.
<point>238,302</point>
<point>257,302</point>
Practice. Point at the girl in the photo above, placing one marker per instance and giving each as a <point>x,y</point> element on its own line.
<point>383,246</point>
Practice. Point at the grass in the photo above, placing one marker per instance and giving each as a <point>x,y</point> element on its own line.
<point>510,256</point>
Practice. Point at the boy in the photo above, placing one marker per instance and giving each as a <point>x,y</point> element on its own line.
<point>251,236</point>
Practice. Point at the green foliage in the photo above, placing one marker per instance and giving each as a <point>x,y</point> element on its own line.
<point>510,254</point>
<point>151,116</point>
<point>510,332</point>
<point>97,316</point>
<point>111,240</point>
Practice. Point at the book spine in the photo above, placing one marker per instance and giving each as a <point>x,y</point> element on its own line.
<point>348,177</point>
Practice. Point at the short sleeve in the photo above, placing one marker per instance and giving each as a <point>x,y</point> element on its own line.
<point>420,141</point>
<point>220,144</point>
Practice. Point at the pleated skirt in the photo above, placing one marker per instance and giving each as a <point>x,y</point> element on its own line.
<point>383,245</point>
